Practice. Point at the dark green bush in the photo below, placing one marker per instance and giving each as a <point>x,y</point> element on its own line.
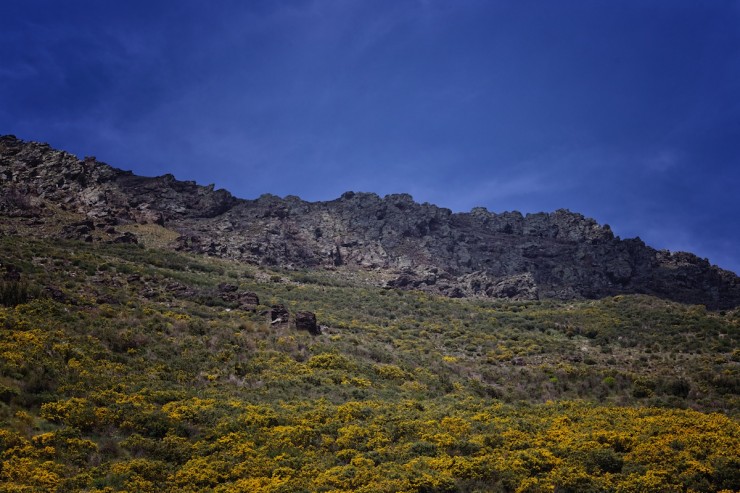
<point>14,293</point>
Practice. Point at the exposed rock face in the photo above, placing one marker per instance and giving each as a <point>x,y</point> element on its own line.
<point>307,321</point>
<point>413,246</point>
<point>36,171</point>
<point>279,314</point>
<point>248,300</point>
<point>126,238</point>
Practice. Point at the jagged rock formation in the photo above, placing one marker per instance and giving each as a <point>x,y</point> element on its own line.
<point>32,171</point>
<point>279,315</point>
<point>415,246</point>
<point>307,321</point>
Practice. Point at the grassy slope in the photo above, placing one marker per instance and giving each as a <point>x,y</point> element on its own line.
<point>141,377</point>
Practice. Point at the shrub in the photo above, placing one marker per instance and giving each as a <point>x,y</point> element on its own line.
<point>14,293</point>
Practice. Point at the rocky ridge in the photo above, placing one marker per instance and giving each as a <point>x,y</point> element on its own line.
<point>408,245</point>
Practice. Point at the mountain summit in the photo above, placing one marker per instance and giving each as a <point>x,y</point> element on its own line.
<point>398,241</point>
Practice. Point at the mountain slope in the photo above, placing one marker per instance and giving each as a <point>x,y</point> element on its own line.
<point>125,368</point>
<point>134,367</point>
<point>560,255</point>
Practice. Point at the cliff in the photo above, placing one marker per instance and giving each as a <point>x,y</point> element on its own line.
<point>405,244</point>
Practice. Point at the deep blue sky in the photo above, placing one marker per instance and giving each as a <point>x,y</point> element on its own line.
<point>625,111</point>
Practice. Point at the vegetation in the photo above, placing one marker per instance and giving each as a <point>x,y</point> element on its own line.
<point>123,368</point>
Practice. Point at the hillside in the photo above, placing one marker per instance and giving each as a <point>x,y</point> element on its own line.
<point>559,255</point>
<point>130,361</point>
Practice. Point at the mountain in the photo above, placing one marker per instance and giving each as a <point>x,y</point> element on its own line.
<point>403,244</point>
<point>160,336</point>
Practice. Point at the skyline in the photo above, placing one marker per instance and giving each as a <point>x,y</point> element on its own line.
<point>627,113</point>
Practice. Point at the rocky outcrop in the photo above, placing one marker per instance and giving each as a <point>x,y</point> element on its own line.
<point>37,172</point>
<point>409,245</point>
<point>247,300</point>
<point>307,321</point>
<point>279,315</point>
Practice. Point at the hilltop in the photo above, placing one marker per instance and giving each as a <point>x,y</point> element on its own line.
<point>396,241</point>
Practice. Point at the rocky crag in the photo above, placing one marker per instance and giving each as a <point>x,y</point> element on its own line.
<point>404,244</point>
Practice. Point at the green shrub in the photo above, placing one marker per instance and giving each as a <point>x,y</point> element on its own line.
<point>14,293</point>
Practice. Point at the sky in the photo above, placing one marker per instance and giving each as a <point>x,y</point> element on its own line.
<point>625,111</point>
